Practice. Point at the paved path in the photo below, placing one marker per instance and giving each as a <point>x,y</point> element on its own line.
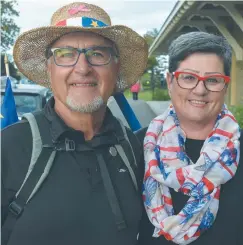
<point>158,106</point>
<point>145,111</point>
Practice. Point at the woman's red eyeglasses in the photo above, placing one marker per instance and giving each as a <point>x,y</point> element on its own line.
<point>189,80</point>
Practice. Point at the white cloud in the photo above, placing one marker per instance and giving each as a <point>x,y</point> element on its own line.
<point>138,15</point>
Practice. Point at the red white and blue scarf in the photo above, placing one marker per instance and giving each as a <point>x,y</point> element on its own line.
<point>167,165</point>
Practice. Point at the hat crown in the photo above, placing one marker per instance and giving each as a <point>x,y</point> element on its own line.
<point>80,9</point>
<point>31,46</point>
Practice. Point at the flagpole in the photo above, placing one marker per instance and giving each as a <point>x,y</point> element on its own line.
<point>6,65</point>
<point>8,107</point>
<point>127,111</point>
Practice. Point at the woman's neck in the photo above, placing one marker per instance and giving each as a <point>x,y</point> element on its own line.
<point>195,130</point>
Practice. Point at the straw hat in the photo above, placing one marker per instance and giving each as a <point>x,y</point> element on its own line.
<point>30,48</point>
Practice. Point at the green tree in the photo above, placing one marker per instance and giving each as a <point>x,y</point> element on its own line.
<point>150,36</point>
<point>9,29</point>
<point>152,61</point>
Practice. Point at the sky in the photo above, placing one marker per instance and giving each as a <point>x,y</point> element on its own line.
<point>141,16</point>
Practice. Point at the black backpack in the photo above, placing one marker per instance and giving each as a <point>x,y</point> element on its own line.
<point>42,159</point>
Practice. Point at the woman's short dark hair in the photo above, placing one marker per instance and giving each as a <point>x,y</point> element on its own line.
<point>202,42</point>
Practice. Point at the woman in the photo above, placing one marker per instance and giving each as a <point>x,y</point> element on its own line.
<point>193,178</point>
<point>135,89</point>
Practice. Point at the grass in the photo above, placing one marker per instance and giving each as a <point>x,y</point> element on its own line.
<point>143,95</point>
<point>147,95</point>
<point>238,113</point>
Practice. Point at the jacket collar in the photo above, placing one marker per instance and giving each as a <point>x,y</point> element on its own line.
<point>59,130</point>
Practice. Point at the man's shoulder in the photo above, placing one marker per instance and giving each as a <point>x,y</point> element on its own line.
<point>135,143</point>
<point>138,135</point>
<point>141,134</point>
<point>14,131</point>
<point>19,132</point>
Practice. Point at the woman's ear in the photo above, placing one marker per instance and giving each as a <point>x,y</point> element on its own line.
<point>226,89</point>
<point>169,78</point>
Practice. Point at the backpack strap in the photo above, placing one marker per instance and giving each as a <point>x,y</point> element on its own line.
<point>111,194</point>
<point>127,139</point>
<point>40,165</point>
<point>37,151</point>
<point>122,138</point>
<point>123,155</point>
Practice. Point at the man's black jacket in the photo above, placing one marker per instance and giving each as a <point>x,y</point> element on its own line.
<point>71,207</point>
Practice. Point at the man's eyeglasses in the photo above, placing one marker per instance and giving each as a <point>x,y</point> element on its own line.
<point>68,56</point>
<point>213,83</point>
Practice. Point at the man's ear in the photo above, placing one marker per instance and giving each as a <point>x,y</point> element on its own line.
<point>48,65</point>
<point>48,69</point>
<point>118,68</point>
<point>118,64</point>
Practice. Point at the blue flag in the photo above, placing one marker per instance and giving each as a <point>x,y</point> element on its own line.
<point>127,112</point>
<point>8,108</point>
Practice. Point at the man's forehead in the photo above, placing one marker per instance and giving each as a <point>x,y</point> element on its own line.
<point>85,36</point>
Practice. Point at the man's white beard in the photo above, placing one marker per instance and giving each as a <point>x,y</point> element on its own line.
<point>91,107</point>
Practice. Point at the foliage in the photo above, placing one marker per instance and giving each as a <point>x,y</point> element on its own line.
<point>12,70</point>
<point>152,63</point>
<point>238,113</point>
<point>161,95</point>
<point>155,67</point>
<point>9,30</point>
<point>145,80</point>
<point>150,37</point>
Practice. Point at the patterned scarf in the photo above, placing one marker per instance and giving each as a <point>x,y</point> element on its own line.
<point>167,165</point>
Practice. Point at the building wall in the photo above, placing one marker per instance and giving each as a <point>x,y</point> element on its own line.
<point>239,90</point>
<point>235,92</point>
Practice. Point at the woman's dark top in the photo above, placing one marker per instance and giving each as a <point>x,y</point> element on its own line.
<point>228,226</point>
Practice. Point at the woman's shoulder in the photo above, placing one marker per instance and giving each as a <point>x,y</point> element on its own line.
<point>241,147</point>
<point>239,172</point>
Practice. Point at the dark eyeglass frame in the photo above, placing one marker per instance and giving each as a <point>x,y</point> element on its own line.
<point>199,78</point>
<point>84,51</point>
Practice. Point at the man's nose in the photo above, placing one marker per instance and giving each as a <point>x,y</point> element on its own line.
<point>200,89</point>
<point>82,66</point>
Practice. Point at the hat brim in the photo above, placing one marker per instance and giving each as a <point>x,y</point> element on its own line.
<point>30,49</point>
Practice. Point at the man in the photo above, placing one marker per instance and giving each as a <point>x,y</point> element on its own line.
<point>80,186</point>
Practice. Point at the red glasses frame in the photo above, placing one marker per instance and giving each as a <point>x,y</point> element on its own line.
<point>177,73</point>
